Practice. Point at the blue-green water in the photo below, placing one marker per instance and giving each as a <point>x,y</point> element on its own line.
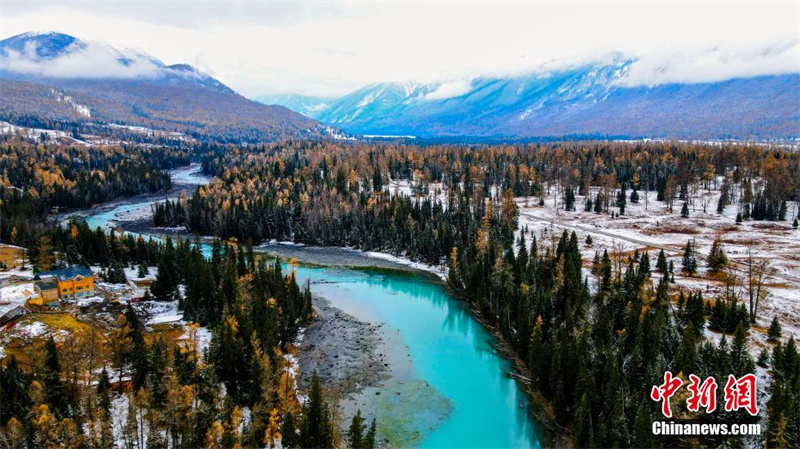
<point>449,350</point>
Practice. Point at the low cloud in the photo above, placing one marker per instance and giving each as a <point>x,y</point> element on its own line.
<point>714,64</point>
<point>450,89</point>
<point>81,60</point>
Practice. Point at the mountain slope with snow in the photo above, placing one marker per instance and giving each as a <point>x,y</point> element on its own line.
<point>590,100</point>
<point>128,87</point>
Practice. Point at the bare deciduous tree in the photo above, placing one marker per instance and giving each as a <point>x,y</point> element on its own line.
<point>757,271</point>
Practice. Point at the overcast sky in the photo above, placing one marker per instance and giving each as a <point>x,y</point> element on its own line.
<point>328,49</point>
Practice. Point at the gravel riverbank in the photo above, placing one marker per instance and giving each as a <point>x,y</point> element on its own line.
<point>343,350</point>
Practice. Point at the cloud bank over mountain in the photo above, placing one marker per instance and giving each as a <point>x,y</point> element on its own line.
<point>718,63</point>
<point>53,55</point>
<point>332,49</point>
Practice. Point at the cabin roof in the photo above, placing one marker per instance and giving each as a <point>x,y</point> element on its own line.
<point>67,273</point>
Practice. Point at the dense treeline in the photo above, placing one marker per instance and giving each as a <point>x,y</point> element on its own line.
<point>594,356</point>
<point>180,394</point>
<point>36,178</point>
<point>327,194</point>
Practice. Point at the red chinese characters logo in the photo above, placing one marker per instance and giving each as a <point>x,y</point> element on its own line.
<point>741,393</point>
<point>703,395</point>
<point>665,391</point>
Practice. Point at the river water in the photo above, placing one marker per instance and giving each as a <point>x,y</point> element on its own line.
<point>451,389</point>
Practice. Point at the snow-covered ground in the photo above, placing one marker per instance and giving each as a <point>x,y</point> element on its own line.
<point>132,274</point>
<point>17,294</point>
<point>161,312</point>
<point>36,133</point>
<point>405,187</point>
<point>440,271</point>
<point>649,225</point>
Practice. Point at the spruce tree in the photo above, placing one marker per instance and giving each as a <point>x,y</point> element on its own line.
<point>289,438</point>
<point>369,439</point>
<point>103,389</point>
<point>355,434</point>
<point>763,358</point>
<point>142,270</point>
<point>569,199</point>
<point>741,361</point>
<point>316,428</point>
<point>661,264</point>
<point>642,428</point>
<point>689,260</point>
<point>774,332</point>
<point>717,259</point>
<point>686,358</point>
<point>55,388</point>
<point>165,286</point>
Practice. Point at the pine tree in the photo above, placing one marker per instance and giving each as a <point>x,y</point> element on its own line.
<point>774,332</point>
<point>717,259</point>
<point>569,199</point>
<point>142,270</point>
<point>642,428</point>
<point>316,429</point>
<point>165,286</point>
<point>686,358</point>
<point>661,264</point>
<point>453,278</point>
<point>289,438</point>
<point>355,434</point>
<point>55,388</point>
<point>369,439</point>
<point>685,210</point>
<point>14,383</point>
<point>45,256</point>
<point>763,358</point>
<point>741,361</point>
<point>689,260</point>
<point>103,390</point>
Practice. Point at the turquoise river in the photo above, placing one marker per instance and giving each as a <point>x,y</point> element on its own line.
<point>450,352</point>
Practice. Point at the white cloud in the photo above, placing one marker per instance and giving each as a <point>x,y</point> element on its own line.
<point>92,60</point>
<point>450,89</point>
<point>330,49</point>
<point>715,64</point>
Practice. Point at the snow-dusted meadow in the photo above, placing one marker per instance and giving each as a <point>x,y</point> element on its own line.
<point>649,225</point>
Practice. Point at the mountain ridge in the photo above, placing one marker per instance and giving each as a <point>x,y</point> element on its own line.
<point>585,100</point>
<point>129,87</point>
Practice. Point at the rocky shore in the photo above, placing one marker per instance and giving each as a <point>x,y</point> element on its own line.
<point>343,350</point>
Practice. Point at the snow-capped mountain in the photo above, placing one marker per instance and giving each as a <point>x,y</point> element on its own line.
<point>589,100</point>
<point>60,56</point>
<point>124,86</point>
